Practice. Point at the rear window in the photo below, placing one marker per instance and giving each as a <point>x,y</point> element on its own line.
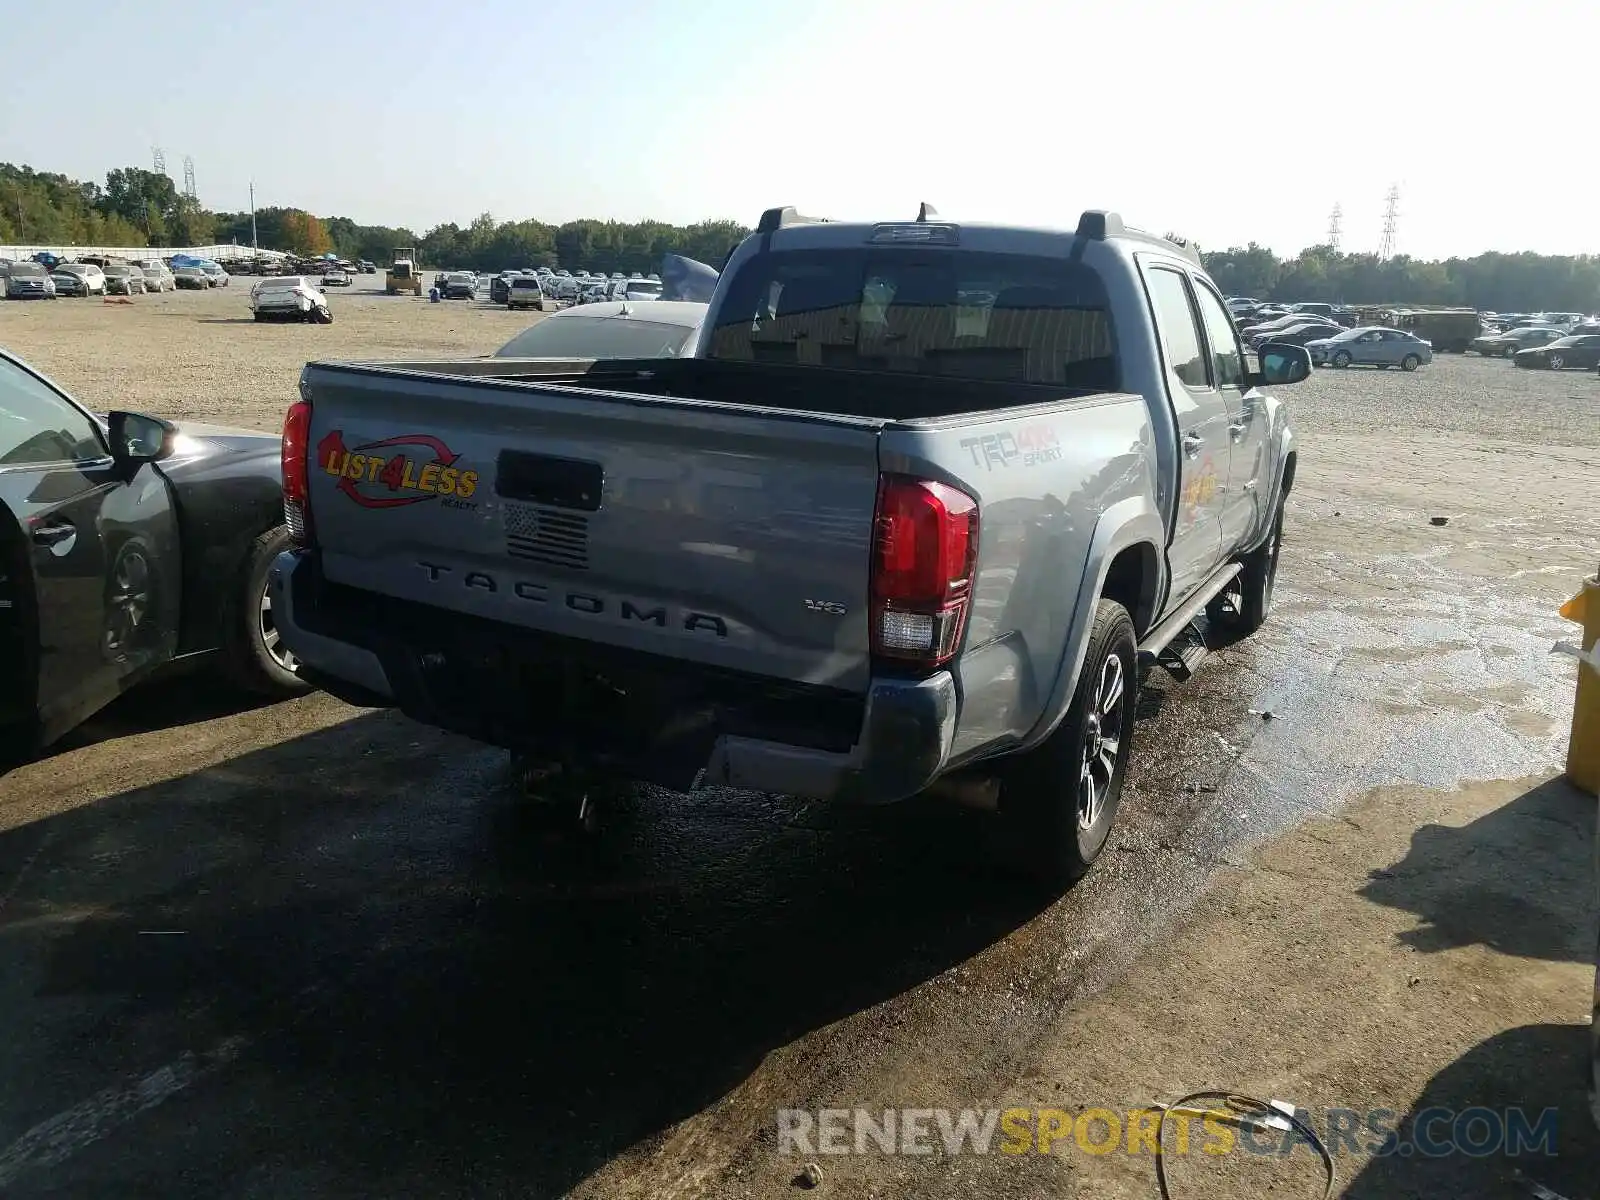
<point>643,287</point>
<point>965,314</point>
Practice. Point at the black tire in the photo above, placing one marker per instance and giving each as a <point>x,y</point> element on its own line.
<point>1042,798</point>
<point>322,316</point>
<point>1342,359</point>
<point>248,644</point>
<point>1556,362</point>
<point>261,316</point>
<point>1410,362</point>
<point>1243,606</point>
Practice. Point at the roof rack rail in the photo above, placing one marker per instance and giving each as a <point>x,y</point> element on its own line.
<point>927,212</point>
<point>1097,224</point>
<point>777,218</point>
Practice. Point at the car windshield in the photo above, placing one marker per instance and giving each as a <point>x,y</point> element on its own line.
<point>462,277</point>
<point>156,271</point>
<point>73,268</point>
<point>25,268</point>
<point>1565,341</point>
<point>598,337</point>
<point>281,281</point>
<point>940,313</point>
<point>119,269</point>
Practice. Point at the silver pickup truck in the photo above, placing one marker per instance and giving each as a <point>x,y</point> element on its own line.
<point>925,501</point>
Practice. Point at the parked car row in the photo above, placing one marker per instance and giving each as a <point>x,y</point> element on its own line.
<point>31,280</point>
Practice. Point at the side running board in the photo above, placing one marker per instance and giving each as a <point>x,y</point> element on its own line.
<point>1186,654</point>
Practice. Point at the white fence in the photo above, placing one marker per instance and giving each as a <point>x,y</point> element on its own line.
<point>214,253</point>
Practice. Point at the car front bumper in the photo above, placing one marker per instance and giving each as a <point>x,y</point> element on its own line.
<point>907,726</point>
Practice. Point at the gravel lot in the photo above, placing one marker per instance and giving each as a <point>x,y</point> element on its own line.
<point>202,355</point>
<point>304,950</point>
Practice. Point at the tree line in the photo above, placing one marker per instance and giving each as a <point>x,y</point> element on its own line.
<point>1492,282</point>
<point>136,207</point>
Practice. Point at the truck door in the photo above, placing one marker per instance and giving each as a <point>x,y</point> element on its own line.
<point>1243,509</point>
<point>1204,442</point>
<point>101,549</point>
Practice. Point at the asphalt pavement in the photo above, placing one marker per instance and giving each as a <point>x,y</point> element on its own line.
<point>308,951</point>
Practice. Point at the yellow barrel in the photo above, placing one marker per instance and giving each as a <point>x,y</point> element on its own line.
<point>1583,752</point>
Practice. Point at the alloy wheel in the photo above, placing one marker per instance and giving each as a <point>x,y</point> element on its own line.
<point>1102,742</point>
<point>271,639</point>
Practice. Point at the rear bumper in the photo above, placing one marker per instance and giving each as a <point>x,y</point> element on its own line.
<point>903,740</point>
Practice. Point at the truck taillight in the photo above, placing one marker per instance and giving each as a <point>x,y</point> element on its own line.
<point>924,552</point>
<point>296,472</point>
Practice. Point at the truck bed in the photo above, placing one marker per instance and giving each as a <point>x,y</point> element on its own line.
<point>769,387</point>
<point>694,534</point>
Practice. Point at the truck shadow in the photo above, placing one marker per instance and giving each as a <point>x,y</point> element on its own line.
<point>441,996</point>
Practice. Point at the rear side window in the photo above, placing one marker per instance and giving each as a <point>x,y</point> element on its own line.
<point>953,313</point>
<point>1225,358</point>
<point>1169,293</point>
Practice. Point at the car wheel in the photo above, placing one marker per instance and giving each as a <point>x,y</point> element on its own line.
<point>254,655</point>
<point>1059,800</point>
<point>130,589</point>
<point>261,316</point>
<point>1410,362</point>
<point>1555,362</point>
<point>1342,358</point>
<point>1510,351</point>
<point>1243,606</point>
<point>322,316</point>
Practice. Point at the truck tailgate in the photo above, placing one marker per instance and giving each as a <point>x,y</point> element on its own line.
<point>732,538</point>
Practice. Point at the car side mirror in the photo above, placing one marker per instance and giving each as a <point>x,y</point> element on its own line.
<point>137,438</point>
<point>1280,363</point>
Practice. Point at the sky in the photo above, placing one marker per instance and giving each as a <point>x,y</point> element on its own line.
<point>1228,121</point>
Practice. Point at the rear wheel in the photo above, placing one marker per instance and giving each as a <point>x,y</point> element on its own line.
<point>1242,607</point>
<point>1410,362</point>
<point>1557,362</point>
<point>1059,800</point>
<point>254,654</point>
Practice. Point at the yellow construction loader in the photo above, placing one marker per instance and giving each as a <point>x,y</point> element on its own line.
<point>402,276</point>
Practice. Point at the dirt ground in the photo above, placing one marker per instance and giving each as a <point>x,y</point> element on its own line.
<point>202,355</point>
<point>1378,897</point>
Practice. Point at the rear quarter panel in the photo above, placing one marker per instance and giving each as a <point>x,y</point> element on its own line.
<point>1061,487</point>
<point>228,492</point>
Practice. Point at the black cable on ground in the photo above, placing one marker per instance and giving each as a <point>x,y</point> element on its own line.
<point>1239,1110</point>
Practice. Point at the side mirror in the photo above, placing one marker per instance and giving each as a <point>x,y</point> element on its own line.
<point>1281,363</point>
<point>137,438</point>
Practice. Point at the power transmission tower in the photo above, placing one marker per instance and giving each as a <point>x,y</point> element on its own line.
<point>159,157</point>
<point>1335,223</point>
<point>1391,213</point>
<point>188,178</point>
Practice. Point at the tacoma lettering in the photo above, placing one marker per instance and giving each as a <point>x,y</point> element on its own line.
<point>586,603</point>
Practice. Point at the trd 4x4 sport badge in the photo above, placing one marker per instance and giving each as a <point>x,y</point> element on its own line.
<point>417,468</point>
